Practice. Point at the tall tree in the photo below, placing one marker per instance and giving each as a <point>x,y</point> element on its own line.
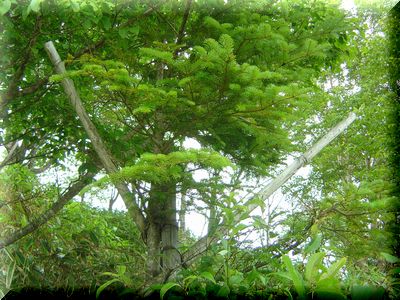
<point>237,76</point>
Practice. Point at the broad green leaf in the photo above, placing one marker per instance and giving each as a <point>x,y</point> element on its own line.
<point>334,269</point>
<point>188,280</point>
<point>313,265</point>
<point>75,5</point>
<point>121,269</point>
<point>390,258</point>
<point>5,6</point>
<point>359,292</point>
<point>283,275</point>
<point>104,285</point>
<point>236,279</point>
<point>238,228</point>
<point>209,276</point>
<point>166,287</point>
<point>329,288</point>
<point>10,274</point>
<point>152,288</point>
<point>223,291</point>
<point>314,229</point>
<point>35,5</point>
<point>295,275</point>
<point>313,245</point>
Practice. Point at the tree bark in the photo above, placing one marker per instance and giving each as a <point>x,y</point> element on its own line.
<point>162,237</point>
<point>97,142</point>
<point>182,213</point>
<point>169,232</point>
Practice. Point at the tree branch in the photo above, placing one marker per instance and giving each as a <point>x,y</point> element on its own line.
<point>72,191</point>
<point>12,91</point>
<point>101,150</point>
<point>202,244</point>
<point>181,32</point>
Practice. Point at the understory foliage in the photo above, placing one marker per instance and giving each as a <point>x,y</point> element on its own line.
<point>197,104</point>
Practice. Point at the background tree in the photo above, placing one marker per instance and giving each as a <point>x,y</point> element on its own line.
<point>348,193</point>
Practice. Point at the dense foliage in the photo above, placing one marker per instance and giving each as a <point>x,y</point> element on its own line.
<point>253,83</point>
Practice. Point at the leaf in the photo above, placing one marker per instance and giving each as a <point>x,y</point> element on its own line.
<point>166,287</point>
<point>283,275</point>
<point>313,245</point>
<point>390,258</point>
<point>104,285</point>
<point>209,276</point>
<point>188,280</point>
<point>110,274</point>
<point>334,268</point>
<point>295,275</point>
<point>123,32</point>
<point>75,6</point>
<point>314,229</point>
<point>312,266</point>
<point>35,5</point>
<point>5,6</point>
<point>223,291</point>
<point>121,269</point>
<point>236,279</point>
<point>238,228</point>
<point>157,54</point>
<point>10,274</point>
<point>359,292</point>
<point>152,288</point>
<point>329,288</point>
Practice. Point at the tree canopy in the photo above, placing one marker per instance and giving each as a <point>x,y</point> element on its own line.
<point>252,82</point>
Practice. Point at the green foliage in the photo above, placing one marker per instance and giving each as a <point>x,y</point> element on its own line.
<point>77,248</point>
<point>160,168</point>
<point>248,81</point>
<point>316,279</point>
<point>118,277</point>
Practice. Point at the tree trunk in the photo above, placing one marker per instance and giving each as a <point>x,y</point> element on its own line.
<point>169,231</point>
<point>162,237</point>
<point>182,213</point>
<point>212,220</point>
<point>153,249</point>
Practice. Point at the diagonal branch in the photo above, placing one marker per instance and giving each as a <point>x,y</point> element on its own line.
<point>72,191</point>
<point>181,32</point>
<point>202,244</point>
<point>100,148</point>
<point>12,91</point>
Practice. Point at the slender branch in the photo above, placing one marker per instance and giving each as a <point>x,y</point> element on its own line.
<point>72,191</point>
<point>181,32</point>
<point>107,160</point>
